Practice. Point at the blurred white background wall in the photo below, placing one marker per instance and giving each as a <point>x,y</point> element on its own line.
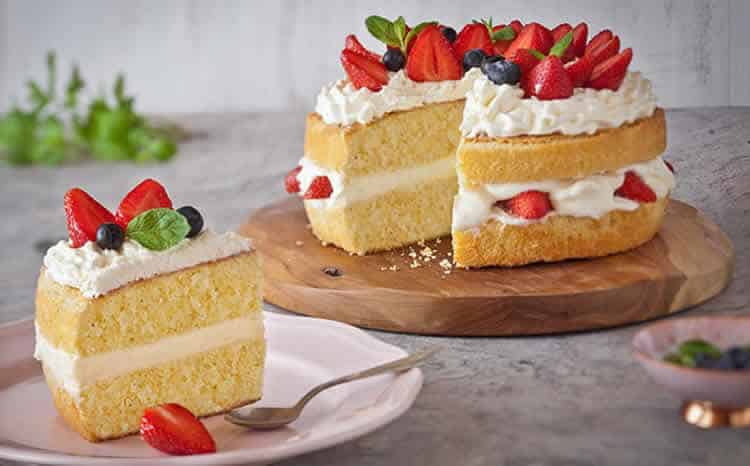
<point>202,55</point>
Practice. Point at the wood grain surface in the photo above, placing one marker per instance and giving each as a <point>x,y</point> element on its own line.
<point>408,290</point>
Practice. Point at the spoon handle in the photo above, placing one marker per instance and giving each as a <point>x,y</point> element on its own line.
<point>398,365</point>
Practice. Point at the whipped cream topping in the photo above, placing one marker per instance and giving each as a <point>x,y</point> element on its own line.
<point>591,196</point>
<point>347,190</point>
<point>339,103</point>
<point>501,111</point>
<point>95,271</point>
<point>73,372</point>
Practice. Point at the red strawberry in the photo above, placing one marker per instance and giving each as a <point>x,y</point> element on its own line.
<point>500,46</point>
<point>363,71</point>
<point>579,71</point>
<point>548,80</point>
<point>610,73</point>
<point>320,188</point>
<point>149,194</point>
<point>431,57</point>
<point>580,34</point>
<point>600,38</point>
<point>525,60</point>
<point>532,36</point>
<point>472,36</point>
<point>173,429</point>
<point>669,165</point>
<point>604,51</point>
<point>291,183</point>
<point>355,46</point>
<point>517,26</point>
<point>560,30</point>
<point>635,189</point>
<point>529,205</point>
<point>84,215</point>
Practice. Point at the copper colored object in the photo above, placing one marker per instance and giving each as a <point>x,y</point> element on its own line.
<point>707,415</point>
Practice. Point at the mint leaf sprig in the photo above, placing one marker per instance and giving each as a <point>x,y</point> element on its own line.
<point>393,33</point>
<point>158,229</point>
<point>504,33</point>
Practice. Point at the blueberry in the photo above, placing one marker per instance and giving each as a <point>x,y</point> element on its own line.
<point>394,59</point>
<point>473,58</point>
<point>705,361</point>
<point>500,71</point>
<point>725,362</point>
<point>740,357</point>
<point>110,236</point>
<point>194,218</point>
<point>449,33</point>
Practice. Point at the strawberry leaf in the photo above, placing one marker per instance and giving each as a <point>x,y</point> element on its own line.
<point>506,33</point>
<point>558,50</point>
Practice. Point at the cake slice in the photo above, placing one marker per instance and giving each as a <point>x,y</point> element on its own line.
<point>157,312</point>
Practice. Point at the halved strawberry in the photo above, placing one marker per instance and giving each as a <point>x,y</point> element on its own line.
<point>548,80</point>
<point>610,73</point>
<point>291,183</point>
<point>173,429</point>
<point>560,30</point>
<point>364,71</point>
<point>517,26</point>
<point>431,57</point>
<point>500,46</point>
<point>525,60</point>
<point>320,188</point>
<point>532,36</point>
<point>600,38</point>
<point>580,34</point>
<point>604,51</point>
<point>353,44</point>
<point>635,189</point>
<point>530,205</point>
<point>579,71</point>
<point>84,215</point>
<point>149,194</point>
<point>472,36</point>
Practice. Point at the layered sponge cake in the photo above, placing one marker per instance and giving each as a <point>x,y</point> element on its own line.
<point>156,312</point>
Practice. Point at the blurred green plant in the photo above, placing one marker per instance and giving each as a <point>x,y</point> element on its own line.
<point>51,132</point>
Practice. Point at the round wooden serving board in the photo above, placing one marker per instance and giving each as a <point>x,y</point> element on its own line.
<point>688,262</point>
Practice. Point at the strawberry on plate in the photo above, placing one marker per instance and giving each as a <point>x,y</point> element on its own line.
<point>635,189</point>
<point>353,44</point>
<point>531,205</point>
<point>610,73</point>
<point>473,36</point>
<point>549,80</point>
<point>533,36</point>
<point>604,51</point>
<point>320,188</point>
<point>173,429</point>
<point>364,71</point>
<point>579,70</point>
<point>431,58</point>
<point>84,215</point>
<point>149,194</point>
<point>291,183</point>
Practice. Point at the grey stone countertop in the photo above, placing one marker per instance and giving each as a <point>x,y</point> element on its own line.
<point>576,399</point>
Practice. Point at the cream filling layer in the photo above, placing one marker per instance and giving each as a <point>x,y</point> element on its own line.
<point>73,372</point>
<point>351,189</point>
<point>591,196</point>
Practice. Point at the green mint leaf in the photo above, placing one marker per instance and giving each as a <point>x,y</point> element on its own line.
<point>158,229</point>
<point>506,33</point>
<point>74,86</point>
<point>537,54</point>
<point>382,30</point>
<point>415,31</point>
<point>558,50</point>
<point>399,31</point>
<point>691,348</point>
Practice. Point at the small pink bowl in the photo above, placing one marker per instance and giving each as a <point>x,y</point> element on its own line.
<point>730,389</point>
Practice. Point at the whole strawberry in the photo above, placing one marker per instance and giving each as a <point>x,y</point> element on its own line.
<point>549,80</point>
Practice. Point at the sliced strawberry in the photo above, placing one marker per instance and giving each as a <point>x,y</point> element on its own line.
<point>560,30</point>
<point>353,44</point>
<point>431,57</point>
<point>580,34</point>
<point>517,26</point>
<point>669,165</point>
<point>525,60</point>
<point>610,73</point>
<point>173,429</point>
<point>532,36</point>
<point>84,215</point>
<point>500,46</point>
<point>600,38</point>
<point>579,71</point>
<point>149,194</point>
<point>530,205</point>
<point>291,183</point>
<point>472,36</point>
<point>549,81</point>
<point>364,71</point>
<point>320,188</point>
<point>635,189</point>
<point>604,51</point>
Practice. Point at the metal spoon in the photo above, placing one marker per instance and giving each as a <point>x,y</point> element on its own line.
<point>272,418</point>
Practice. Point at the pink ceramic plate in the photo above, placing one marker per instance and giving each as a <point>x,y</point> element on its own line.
<point>302,352</point>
